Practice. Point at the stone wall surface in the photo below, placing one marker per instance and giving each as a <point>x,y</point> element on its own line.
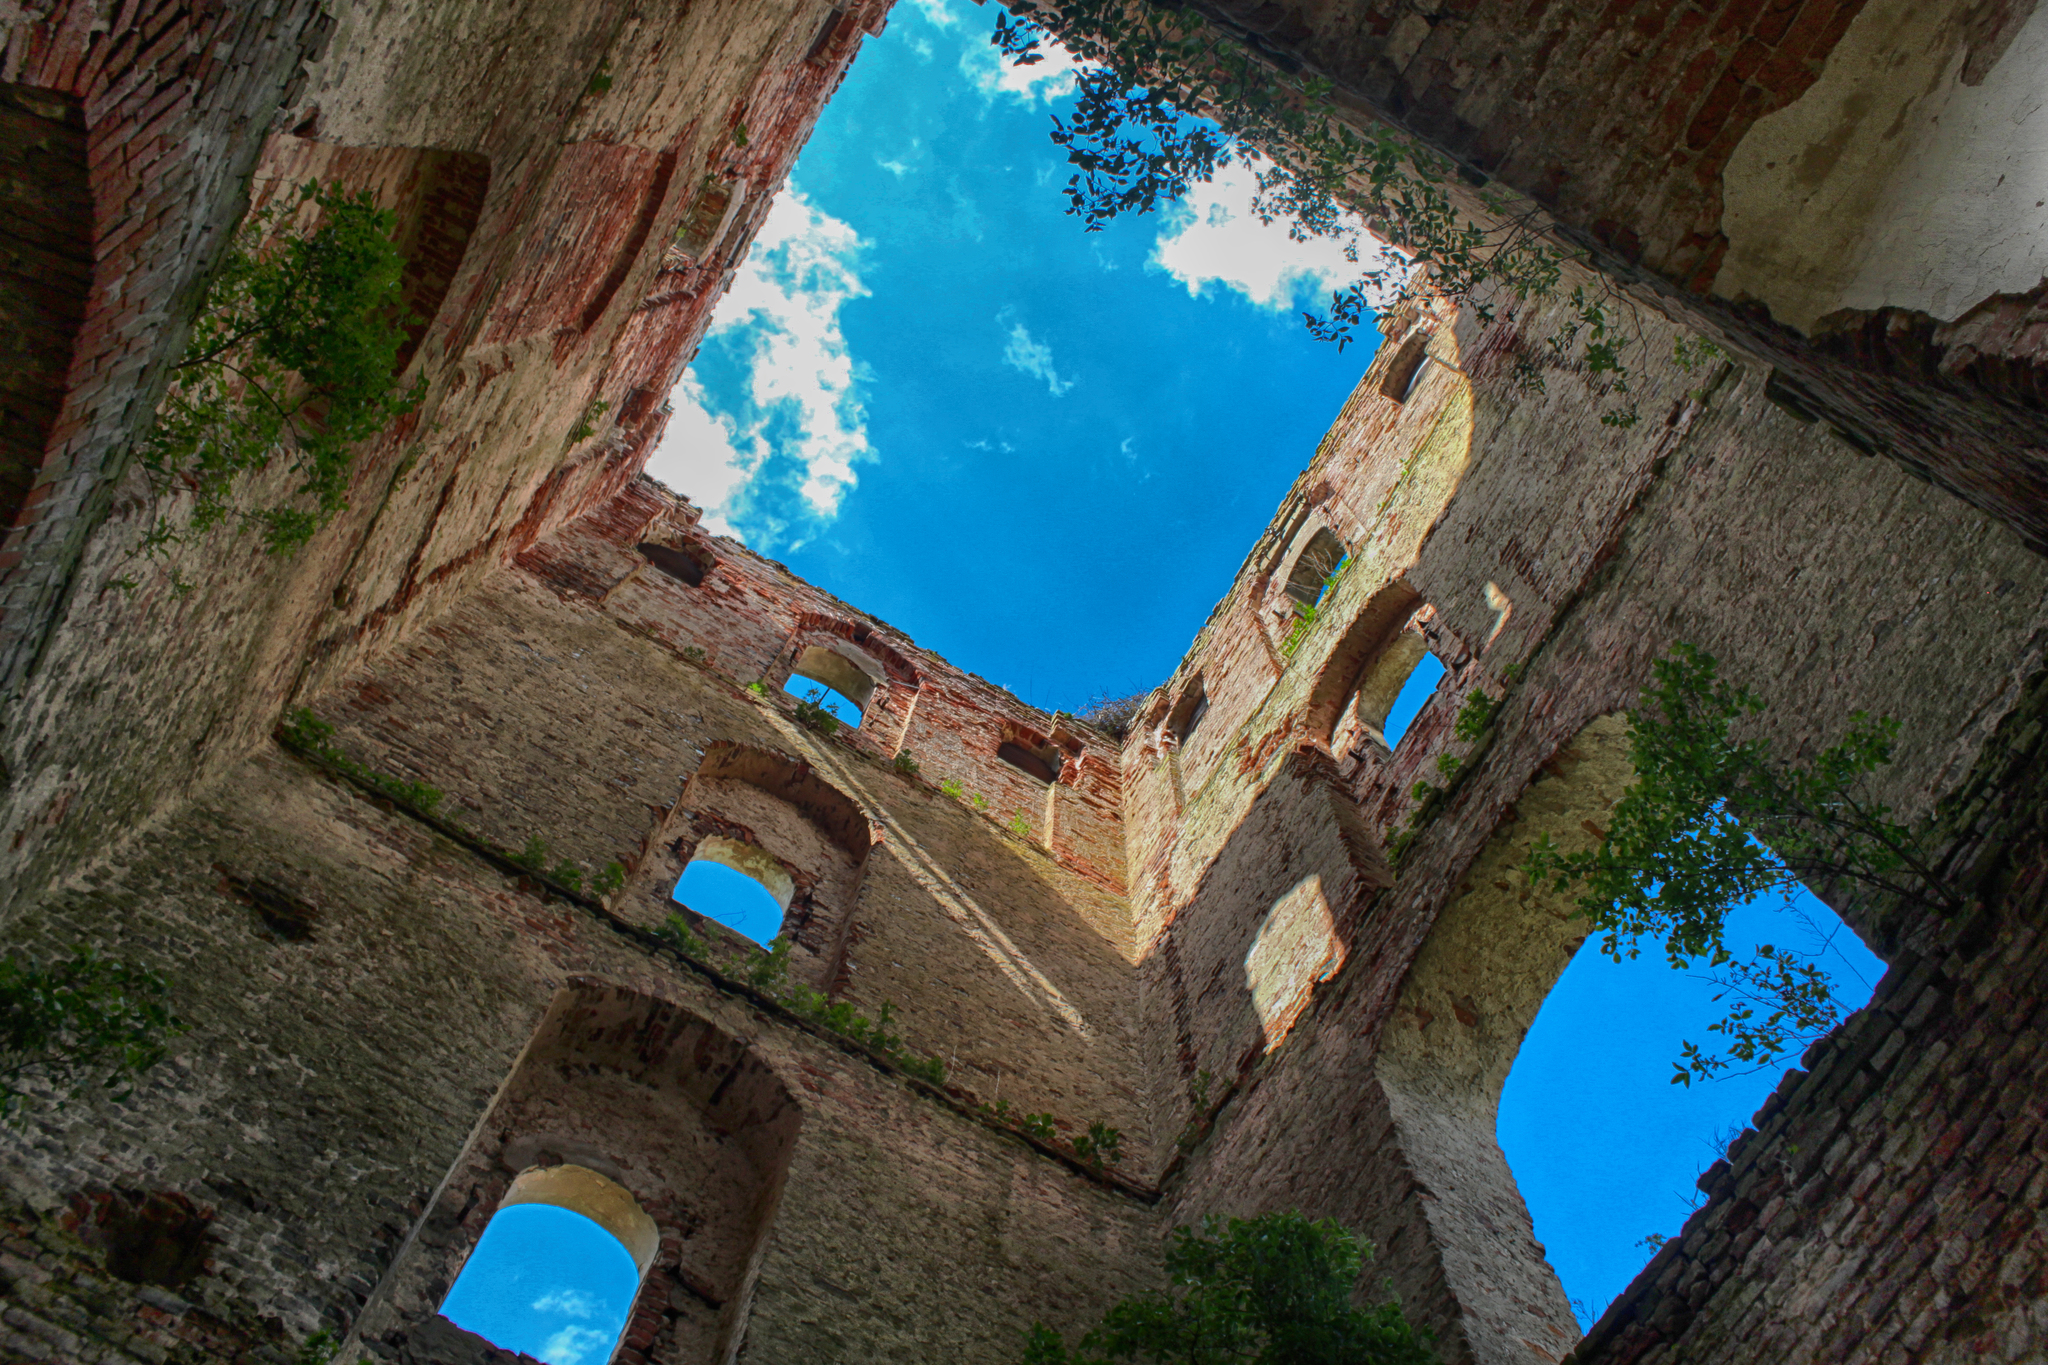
<point>1824,580</point>
<point>332,1079</point>
<point>424,933</point>
<point>1626,130</point>
<point>544,710</point>
<point>543,159</point>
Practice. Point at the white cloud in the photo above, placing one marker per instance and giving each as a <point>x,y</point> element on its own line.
<point>782,317</point>
<point>1043,81</point>
<point>573,1345</point>
<point>1214,237</point>
<point>1035,359</point>
<point>570,1303</point>
<point>938,13</point>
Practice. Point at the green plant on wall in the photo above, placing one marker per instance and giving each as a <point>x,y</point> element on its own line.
<point>1144,69</point>
<point>1100,1145</point>
<point>293,350</point>
<point>905,764</point>
<point>586,425</point>
<point>1713,822</point>
<point>812,715</point>
<point>1019,825</point>
<point>84,1018</point>
<point>1272,1290</point>
<point>302,730</point>
<point>1305,613</point>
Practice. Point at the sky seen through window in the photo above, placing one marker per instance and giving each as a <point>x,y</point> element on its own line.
<point>1044,453</point>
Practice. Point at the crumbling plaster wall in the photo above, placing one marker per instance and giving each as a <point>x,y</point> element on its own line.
<point>603,127</point>
<point>329,1084</point>
<point>1642,136</point>
<point>542,706</point>
<point>1824,580</point>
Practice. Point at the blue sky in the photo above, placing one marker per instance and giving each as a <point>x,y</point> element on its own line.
<point>1044,453</point>
<point>1605,1148</point>
<point>547,1282</point>
<point>1039,451</point>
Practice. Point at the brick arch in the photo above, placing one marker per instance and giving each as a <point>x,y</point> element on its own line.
<point>686,1117</point>
<point>835,814</point>
<point>781,810</point>
<point>46,271</point>
<point>867,639</point>
<point>1369,633</point>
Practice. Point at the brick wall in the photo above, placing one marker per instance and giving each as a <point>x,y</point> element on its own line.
<point>1613,126</point>
<point>560,315</point>
<point>1825,581</point>
<point>166,95</point>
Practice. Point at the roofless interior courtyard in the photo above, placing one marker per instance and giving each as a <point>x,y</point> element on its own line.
<point>372,751</point>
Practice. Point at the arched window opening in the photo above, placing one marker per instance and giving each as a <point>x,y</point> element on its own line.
<point>1404,371</point>
<point>557,1268</point>
<point>1599,1207</point>
<point>1040,761</point>
<point>1392,690</point>
<point>1415,692</point>
<point>1188,712</point>
<point>436,197</point>
<point>842,687</point>
<point>743,887</point>
<point>1318,562</point>
<point>45,274</point>
<point>680,564</point>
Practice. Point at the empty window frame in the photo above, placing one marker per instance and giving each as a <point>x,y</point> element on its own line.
<point>1035,757</point>
<point>1319,560</point>
<point>1188,712</point>
<point>678,563</point>
<point>1396,687</point>
<point>1405,370</point>
<point>739,885</point>
<point>705,223</point>
<point>557,1268</point>
<point>843,686</point>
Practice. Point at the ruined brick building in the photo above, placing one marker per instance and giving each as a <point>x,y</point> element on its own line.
<point>1196,934</point>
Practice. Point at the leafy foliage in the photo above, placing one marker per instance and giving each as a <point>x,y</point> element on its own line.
<point>533,857</point>
<point>683,937</point>
<point>1305,613</point>
<point>1167,100</point>
<point>1475,716</point>
<point>1713,822</point>
<point>1019,825</point>
<point>75,1020</point>
<point>297,340</point>
<point>1100,1145</point>
<point>1040,1126</point>
<point>609,878</point>
<point>768,972</point>
<point>306,732</point>
<point>905,764</point>
<point>812,715</point>
<point>1273,1290</point>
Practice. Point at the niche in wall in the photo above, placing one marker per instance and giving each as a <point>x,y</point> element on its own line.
<point>436,196</point>
<point>618,1090</point>
<point>46,260</point>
